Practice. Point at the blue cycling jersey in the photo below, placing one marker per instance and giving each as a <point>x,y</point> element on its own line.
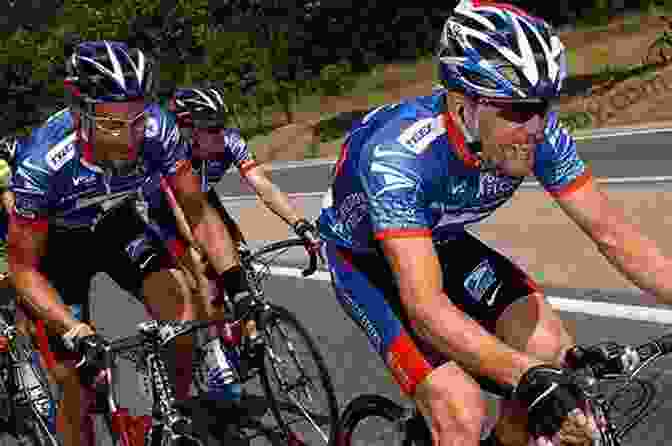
<point>399,174</point>
<point>234,152</point>
<point>53,181</point>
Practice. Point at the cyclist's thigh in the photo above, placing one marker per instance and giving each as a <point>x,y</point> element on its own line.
<point>363,285</point>
<point>481,281</point>
<point>138,260</point>
<point>133,247</point>
<point>444,392</point>
<point>502,297</point>
<point>231,225</point>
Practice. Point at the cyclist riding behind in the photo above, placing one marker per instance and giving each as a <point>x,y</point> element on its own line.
<point>202,117</point>
<point>80,189</point>
<point>410,179</point>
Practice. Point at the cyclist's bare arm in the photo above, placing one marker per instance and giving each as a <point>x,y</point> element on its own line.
<point>208,229</point>
<point>27,245</point>
<point>7,198</point>
<point>274,199</point>
<point>621,242</point>
<point>436,319</point>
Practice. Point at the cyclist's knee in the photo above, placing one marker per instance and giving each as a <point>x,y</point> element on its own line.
<point>452,404</point>
<point>531,325</point>
<point>168,296</point>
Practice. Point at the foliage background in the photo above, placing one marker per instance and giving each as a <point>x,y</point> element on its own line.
<point>265,53</point>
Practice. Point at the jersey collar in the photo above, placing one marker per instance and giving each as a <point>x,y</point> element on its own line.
<point>457,140</point>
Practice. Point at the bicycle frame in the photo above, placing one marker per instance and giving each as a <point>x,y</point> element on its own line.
<point>10,334</point>
<point>152,338</point>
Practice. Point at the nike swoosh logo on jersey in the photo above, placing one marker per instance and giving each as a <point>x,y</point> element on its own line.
<point>494,294</point>
<point>144,264</point>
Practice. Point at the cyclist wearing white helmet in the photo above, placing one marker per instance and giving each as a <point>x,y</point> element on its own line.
<point>202,116</point>
<point>410,179</point>
<point>78,211</point>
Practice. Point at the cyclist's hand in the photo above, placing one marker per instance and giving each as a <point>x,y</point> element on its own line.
<point>91,346</point>
<point>92,349</point>
<point>307,231</point>
<point>555,406</point>
<point>608,358</point>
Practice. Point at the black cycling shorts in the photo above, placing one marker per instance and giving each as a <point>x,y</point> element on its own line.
<point>121,245</point>
<point>477,279</point>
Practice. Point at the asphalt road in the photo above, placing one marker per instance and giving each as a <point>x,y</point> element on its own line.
<point>354,368</point>
<point>637,155</point>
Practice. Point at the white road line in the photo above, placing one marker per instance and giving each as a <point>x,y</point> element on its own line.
<point>603,309</point>
<point>595,134</point>
<point>607,180</point>
<point>621,133</point>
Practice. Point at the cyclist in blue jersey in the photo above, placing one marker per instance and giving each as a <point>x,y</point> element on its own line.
<point>202,117</point>
<point>79,211</point>
<point>443,310</point>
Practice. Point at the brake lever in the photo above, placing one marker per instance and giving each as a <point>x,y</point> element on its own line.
<point>314,251</point>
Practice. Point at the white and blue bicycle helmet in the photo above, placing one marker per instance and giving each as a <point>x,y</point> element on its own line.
<point>498,51</point>
<point>107,71</point>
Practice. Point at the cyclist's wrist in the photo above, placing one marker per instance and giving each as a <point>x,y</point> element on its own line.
<point>527,363</point>
<point>77,330</point>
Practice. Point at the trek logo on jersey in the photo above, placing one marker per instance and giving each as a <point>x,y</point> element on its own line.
<point>479,280</point>
<point>418,137</point>
<point>61,153</point>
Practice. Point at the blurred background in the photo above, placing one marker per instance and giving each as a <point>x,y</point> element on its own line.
<point>269,54</point>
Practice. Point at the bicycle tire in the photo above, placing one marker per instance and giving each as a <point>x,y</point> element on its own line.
<point>370,405</point>
<point>281,313</point>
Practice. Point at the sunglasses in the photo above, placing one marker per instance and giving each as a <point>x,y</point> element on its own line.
<point>519,110</point>
<point>114,126</point>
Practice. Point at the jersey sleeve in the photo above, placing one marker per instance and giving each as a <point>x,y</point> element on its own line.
<point>393,187</point>
<point>163,134</point>
<point>558,166</point>
<point>30,185</point>
<point>236,148</point>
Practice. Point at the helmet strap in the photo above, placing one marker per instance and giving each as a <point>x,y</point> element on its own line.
<point>468,112</point>
<point>84,126</point>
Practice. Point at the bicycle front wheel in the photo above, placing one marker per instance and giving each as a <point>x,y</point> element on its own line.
<point>297,382</point>
<point>399,426</point>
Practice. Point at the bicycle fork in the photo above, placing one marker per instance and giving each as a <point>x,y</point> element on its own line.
<point>165,419</point>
